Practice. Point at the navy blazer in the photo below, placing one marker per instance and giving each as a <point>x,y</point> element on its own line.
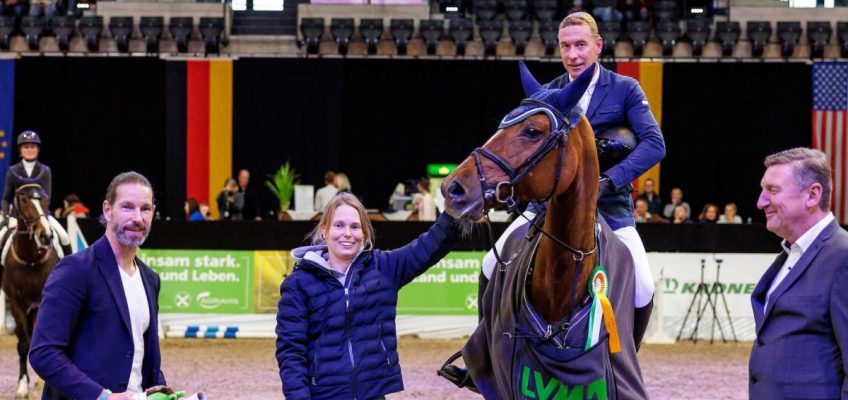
<point>802,336</point>
<point>82,341</point>
<point>618,100</point>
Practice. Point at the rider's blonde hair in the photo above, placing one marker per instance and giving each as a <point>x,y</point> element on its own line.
<point>581,18</point>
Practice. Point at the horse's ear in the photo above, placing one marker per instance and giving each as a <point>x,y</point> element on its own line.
<point>568,96</point>
<point>529,83</point>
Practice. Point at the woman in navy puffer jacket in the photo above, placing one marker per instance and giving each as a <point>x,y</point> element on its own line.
<point>336,317</point>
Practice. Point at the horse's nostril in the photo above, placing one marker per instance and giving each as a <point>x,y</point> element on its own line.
<point>456,191</point>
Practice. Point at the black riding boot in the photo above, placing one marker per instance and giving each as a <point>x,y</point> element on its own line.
<point>641,317</point>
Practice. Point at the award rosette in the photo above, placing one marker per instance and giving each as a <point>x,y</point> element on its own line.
<point>599,289</point>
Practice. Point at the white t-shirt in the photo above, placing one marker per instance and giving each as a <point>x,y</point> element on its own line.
<point>139,320</point>
<point>323,196</point>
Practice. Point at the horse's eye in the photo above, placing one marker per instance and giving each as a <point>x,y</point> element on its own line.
<point>532,133</point>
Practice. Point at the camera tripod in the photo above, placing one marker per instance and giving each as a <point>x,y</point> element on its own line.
<point>708,296</point>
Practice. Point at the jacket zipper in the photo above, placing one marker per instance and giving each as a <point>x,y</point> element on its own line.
<point>348,330</point>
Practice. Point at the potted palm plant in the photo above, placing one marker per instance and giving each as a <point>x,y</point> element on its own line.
<point>282,184</point>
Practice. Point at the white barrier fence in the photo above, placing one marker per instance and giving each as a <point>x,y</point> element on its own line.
<point>678,274</point>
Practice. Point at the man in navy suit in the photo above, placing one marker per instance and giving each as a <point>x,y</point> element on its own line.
<point>610,101</point>
<point>96,336</point>
<point>801,302</point>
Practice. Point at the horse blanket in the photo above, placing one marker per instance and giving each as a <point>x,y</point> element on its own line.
<point>515,354</point>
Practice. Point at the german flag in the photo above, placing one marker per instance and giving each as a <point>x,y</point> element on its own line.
<point>650,77</point>
<point>200,129</point>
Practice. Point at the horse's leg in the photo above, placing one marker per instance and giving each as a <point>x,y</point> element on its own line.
<point>23,348</point>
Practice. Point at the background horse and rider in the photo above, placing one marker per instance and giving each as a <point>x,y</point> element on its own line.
<point>557,278</point>
<point>29,254</point>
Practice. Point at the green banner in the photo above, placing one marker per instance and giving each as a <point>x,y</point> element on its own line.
<point>448,288</point>
<point>203,281</point>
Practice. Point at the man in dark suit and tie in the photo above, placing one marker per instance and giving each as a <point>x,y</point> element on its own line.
<point>96,336</point>
<point>801,303</point>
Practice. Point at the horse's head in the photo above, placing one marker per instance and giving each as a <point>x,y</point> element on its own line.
<point>533,156</point>
<point>30,202</point>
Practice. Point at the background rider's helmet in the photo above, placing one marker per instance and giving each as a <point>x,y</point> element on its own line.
<point>29,137</point>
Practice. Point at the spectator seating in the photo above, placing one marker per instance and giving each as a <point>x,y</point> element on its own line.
<point>151,29</point>
<point>401,30</point>
<point>32,28</point>
<point>698,32</point>
<point>549,31</point>
<point>516,10</point>
<point>342,31</point>
<point>668,32</point>
<point>545,10</point>
<point>431,31</point>
<point>312,29</point>
<point>610,31</point>
<point>788,32</point>
<point>818,33</point>
<point>91,27</point>
<point>63,26</point>
<point>665,10</point>
<point>638,31</point>
<point>727,33</point>
<point>181,28</point>
<point>485,10</point>
<point>460,30</point>
<point>759,33</point>
<point>490,32</point>
<point>7,26</point>
<point>121,29</point>
<point>842,35</point>
<point>210,30</point>
<point>520,32</point>
<point>371,30</point>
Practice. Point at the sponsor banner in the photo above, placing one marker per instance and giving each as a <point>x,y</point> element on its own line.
<point>270,268</point>
<point>203,281</point>
<point>448,288</point>
<point>681,275</point>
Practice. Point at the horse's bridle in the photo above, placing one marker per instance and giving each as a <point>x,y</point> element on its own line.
<point>557,138</point>
<point>31,223</point>
<point>560,124</point>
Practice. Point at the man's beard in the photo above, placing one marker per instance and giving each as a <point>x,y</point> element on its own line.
<point>119,230</point>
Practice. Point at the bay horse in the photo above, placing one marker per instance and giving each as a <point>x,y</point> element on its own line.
<point>540,334</point>
<point>28,258</point>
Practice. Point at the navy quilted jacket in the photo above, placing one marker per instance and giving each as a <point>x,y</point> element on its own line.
<point>338,341</point>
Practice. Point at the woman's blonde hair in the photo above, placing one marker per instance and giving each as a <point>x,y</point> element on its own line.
<point>340,199</point>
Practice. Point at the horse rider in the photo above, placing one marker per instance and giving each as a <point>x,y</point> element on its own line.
<point>29,171</point>
<point>611,102</point>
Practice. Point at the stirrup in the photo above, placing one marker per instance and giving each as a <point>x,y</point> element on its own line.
<point>457,375</point>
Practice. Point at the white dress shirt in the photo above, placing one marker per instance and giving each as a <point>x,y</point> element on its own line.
<point>795,251</point>
<point>587,96</point>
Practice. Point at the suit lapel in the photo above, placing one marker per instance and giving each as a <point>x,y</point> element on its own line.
<point>600,92</point>
<point>758,296</point>
<point>798,269</point>
<point>35,170</point>
<point>109,268</point>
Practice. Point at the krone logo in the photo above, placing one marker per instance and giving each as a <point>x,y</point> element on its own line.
<point>182,300</point>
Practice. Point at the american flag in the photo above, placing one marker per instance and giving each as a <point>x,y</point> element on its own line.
<point>830,117</point>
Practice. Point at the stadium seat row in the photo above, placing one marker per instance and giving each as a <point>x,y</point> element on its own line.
<point>90,28</point>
